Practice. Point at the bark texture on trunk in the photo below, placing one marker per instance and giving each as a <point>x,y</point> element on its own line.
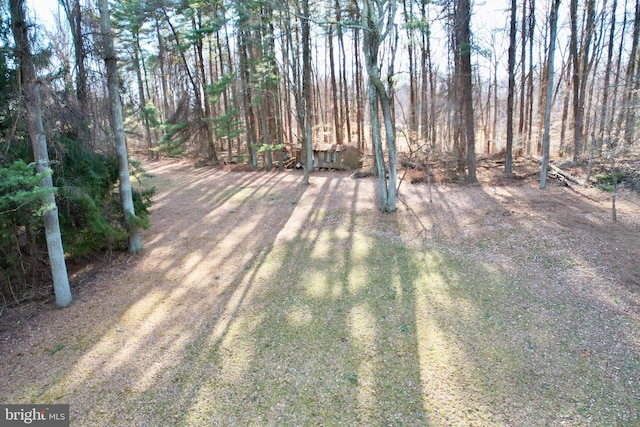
<point>33,103</point>
<point>124,182</point>
<point>553,21</point>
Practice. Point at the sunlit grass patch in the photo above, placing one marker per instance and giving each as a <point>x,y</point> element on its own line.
<point>334,314</point>
<point>330,357</point>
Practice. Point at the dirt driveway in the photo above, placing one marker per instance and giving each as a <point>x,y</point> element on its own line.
<point>259,301</point>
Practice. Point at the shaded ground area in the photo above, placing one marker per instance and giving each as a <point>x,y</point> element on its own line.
<point>258,301</point>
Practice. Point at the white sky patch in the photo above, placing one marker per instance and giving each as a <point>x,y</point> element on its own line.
<point>44,12</point>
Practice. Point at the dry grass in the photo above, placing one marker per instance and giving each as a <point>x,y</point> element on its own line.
<point>259,301</point>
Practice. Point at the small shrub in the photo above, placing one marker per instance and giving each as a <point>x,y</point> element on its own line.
<point>89,208</point>
<point>21,208</point>
<point>607,179</point>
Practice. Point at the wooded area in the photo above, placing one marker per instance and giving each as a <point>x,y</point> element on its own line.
<point>251,81</point>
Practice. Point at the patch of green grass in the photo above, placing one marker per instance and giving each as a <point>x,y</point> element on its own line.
<point>348,324</point>
<point>363,320</point>
<point>56,349</point>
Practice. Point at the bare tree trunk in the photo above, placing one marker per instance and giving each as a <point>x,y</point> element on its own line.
<point>362,145</point>
<point>307,147</point>
<point>425,72</point>
<point>616,84</point>
<point>163,71</point>
<point>512,83</point>
<point>565,110</point>
<point>544,79</point>
<point>479,105</point>
<point>553,21</point>
<point>529,118</point>
<point>337,122</point>
<point>593,114</point>
<point>494,135</point>
<point>243,64</point>
<point>73,11</point>
<point>344,89</point>
<point>141,95</point>
<point>225,98</point>
<point>575,85</point>
<point>463,49</point>
<point>374,16</point>
<point>487,121</point>
<point>580,72</point>
<point>135,243</point>
<point>432,87</point>
<point>292,59</point>
<point>604,113</point>
<point>211,142</point>
<point>413,84</point>
<point>33,103</point>
<point>631,83</point>
<point>523,57</point>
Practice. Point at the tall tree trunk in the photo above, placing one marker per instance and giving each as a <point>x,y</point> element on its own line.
<point>575,76</point>
<point>586,61</point>
<point>373,21</point>
<point>163,72</point>
<point>565,109</point>
<point>362,144</point>
<point>425,76</point>
<point>247,103</point>
<point>553,22</point>
<point>529,118</point>
<point>294,70</point>
<point>432,88</point>
<point>202,123</point>
<point>212,151</point>
<point>604,113</point>
<point>307,99</point>
<point>592,113</point>
<point>495,107</point>
<point>73,11</point>
<point>276,101</point>
<point>580,61</point>
<point>616,84</point>
<point>542,96</point>
<point>141,94</point>
<point>124,184</point>
<point>413,84</point>
<point>337,121</point>
<point>234,89</point>
<point>523,62</point>
<point>344,91</point>
<point>33,103</point>
<point>512,83</point>
<point>631,81</point>
<point>226,104</point>
<point>463,49</point>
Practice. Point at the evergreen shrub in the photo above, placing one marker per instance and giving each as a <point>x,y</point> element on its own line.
<point>89,207</point>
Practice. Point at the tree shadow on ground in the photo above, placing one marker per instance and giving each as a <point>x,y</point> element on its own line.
<point>333,313</point>
<point>537,324</point>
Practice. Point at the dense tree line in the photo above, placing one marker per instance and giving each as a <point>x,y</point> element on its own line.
<point>255,81</point>
<point>225,80</point>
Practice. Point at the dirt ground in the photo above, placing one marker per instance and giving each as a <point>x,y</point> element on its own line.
<point>134,315</point>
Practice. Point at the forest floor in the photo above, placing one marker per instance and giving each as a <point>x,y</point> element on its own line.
<point>260,301</point>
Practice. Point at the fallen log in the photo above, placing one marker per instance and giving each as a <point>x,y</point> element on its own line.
<point>560,172</point>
